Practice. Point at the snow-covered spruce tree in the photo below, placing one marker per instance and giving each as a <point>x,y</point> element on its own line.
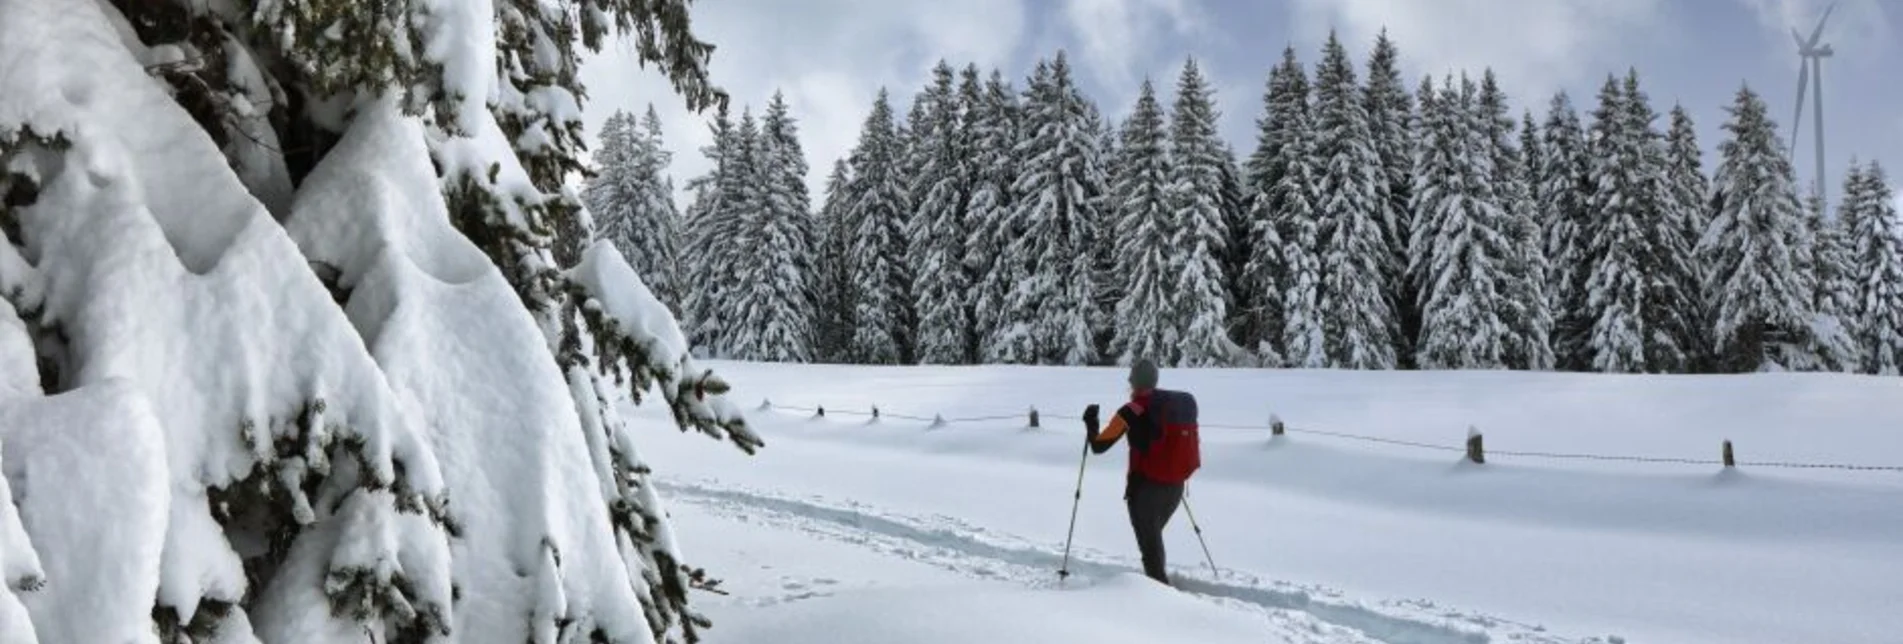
<point>632,201</point>
<point>1048,313</point>
<point>1195,248</point>
<point>1685,174</point>
<point>1564,191</point>
<point>833,284</point>
<point>1358,321</point>
<point>938,226</point>
<point>1532,160</point>
<point>1876,266</point>
<point>1670,261</point>
<point>1758,249</point>
<point>1390,110</point>
<point>1835,342</point>
<point>1104,234</point>
<point>1235,261</point>
<point>995,170</point>
<point>1523,272</point>
<point>419,164</point>
<point>1463,233</point>
<point>792,210</point>
<point>769,308</point>
<point>714,215</point>
<point>1146,325</point>
<point>1634,254</point>
<point>876,248</point>
<point>1274,202</point>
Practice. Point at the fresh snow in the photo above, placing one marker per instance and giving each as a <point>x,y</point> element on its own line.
<point>100,449</point>
<point>460,349</point>
<point>1366,541</point>
<point>203,306</point>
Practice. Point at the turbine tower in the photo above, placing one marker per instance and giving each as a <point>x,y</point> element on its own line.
<point>1810,76</point>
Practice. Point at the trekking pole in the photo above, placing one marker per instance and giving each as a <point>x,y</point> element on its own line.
<point>1076,498</point>
<point>1199,535</point>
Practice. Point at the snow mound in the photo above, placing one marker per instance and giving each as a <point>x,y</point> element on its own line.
<point>1125,609</point>
<point>70,460</point>
<point>461,350</point>
<point>200,302</point>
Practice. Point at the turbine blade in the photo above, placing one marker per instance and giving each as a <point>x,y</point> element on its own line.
<point>1799,37</point>
<point>1818,33</point>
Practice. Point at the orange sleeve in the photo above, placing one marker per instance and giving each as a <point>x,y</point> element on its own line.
<point>1113,431</point>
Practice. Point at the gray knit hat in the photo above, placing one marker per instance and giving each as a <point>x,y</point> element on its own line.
<point>1143,374</point>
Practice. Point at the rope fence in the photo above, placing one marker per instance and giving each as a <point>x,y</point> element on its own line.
<point>1473,450</point>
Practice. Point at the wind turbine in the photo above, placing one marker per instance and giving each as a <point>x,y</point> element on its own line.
<point>1810,75</point>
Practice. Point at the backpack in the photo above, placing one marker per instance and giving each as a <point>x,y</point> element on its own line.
<point>1177,451</point>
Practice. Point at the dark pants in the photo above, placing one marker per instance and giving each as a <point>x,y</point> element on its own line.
<point>1151,505</point>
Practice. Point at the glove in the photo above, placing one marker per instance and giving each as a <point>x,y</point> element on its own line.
<point>1090,422</point>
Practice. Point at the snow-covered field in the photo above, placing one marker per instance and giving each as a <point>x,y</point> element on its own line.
<point>847,530</point>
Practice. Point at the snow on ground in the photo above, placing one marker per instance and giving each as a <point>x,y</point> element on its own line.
<point>794,580</point>
<point>1355,539</point>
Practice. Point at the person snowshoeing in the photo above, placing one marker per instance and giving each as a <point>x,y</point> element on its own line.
<point>1164,452</point>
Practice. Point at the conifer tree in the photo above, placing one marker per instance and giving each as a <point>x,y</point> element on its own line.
<point>1463,230</point>
<point>1523,268</point>
<point>715,215</point>
<point>1390,110</point>
<point>1758,249</point>
<point>1685,173</point>
<point>1565,190</point>
<point>833,293</point>
<point>939,226</point>
<point>1051,306</point>
<point>1199,228</point>
<point>1836,322</point>
<point>1146,326</point>
<point>1636,254</point>
<point>632,201</point>
<point>1875,237</point>
<point>1235,261</point>
<point>788,198</point>
<point>1304,332</point>
<point>773,308</point>
<point>993,229</point>
<point>1358,322</point>
<point>1104,234</point>
<point>1275,202</point>
<point>876,253</point>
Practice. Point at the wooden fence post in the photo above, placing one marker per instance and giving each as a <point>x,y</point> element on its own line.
<point>1275,425</point>
<point>1475,452</point>
<point>938,420</point>
<point>875,412</point>
<point>1729,460</point>
<point>822,411</point>
<point>1034,417</point>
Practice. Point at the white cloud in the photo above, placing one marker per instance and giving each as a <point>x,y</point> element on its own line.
<point>1118,38</point>
<point>1535,47</point>
<point>829,57</point>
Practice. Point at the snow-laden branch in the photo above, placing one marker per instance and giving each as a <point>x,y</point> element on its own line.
<point>640,332</point>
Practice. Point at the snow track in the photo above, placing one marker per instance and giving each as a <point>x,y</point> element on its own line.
<point>950,543</point>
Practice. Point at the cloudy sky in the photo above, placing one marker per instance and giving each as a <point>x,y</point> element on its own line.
<point>831,57</point>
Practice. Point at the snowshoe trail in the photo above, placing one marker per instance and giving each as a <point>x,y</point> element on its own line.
<point>958,546</point>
